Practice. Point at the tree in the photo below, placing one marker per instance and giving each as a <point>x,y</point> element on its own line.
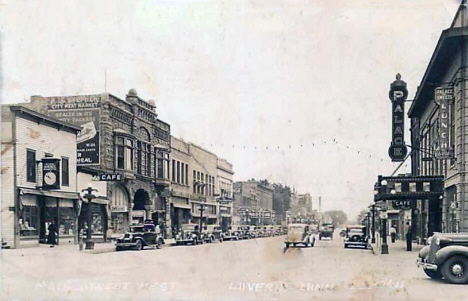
<point>361,216</point>
<point>281,199</point>
<point>338,217</point>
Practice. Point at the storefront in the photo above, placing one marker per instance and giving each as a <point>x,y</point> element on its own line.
<point>180,212</point>
<point>119,211</point>
<point>37,210</point>
<point>99,219</point>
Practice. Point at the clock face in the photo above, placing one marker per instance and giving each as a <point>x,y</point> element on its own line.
<point>50,178</point>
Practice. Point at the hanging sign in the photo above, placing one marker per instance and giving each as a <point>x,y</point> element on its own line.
<point>397,95</point>
<point>50,173</point>
<point>443,97</point>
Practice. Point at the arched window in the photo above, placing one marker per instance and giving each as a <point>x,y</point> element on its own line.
<point>144,153</point>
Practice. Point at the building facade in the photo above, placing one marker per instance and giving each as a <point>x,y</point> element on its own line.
<point>224,192</point>
<point>253,203</point>
<point>439,132</point>
<point>124,148</point>
<point>38,176</point>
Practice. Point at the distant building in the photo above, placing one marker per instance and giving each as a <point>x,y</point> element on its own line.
<point>38,175</point>
<point>253,203</point>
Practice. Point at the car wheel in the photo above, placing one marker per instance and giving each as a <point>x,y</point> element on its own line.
<point>455,270</point>
<point>139,245</point>
<point>221,239</point>
<point>159,244</point>
<point>287,245</point>
<point>345,246</point>
<point>118,249</point>
<point>432,274</point>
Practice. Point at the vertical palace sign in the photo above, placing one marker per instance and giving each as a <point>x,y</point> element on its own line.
<point>443,97</point>
<point>397,95</point>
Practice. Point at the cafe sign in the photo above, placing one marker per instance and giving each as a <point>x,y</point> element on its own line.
<point>443,97</point>
<point>398,94</point>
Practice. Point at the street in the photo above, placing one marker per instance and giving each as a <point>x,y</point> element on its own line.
<point>257,269</point>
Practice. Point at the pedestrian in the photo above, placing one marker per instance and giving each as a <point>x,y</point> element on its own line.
<point>51,238</point>
<point>393,233</point>
<point>409,237</point>
<point>163,229</point>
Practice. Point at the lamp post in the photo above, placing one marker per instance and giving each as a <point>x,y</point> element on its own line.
<point>89,196</point>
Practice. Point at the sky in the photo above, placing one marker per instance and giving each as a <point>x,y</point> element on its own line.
<point>292,91</point>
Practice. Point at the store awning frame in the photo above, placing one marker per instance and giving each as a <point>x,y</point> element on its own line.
<point>51,193</point>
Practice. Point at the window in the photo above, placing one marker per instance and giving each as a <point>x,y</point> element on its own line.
<point>139,157</point>
<point>173,170</point>
<point>31,166</point>
<point>48,155</point>
<point>194,181</point>
<point>124,153</point>
<point>28,222</point>
<point>160,158</point>
<point>65,172</point>
<point>186,174</point>
<point>178,172</point>
<point>148,160</point>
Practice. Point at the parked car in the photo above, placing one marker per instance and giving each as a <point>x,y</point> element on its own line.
<point>230,234</point>
<point>212,233</point>
<point>244,232</point>
<point>326,230</point>
<point>140,236</point>
<point>270,230</point>
<point>278,230</point>
<point>446,257</point>
<point>299,234</point>
<point>190,233</point>
<point>356,236</point>
<point>259,232</point>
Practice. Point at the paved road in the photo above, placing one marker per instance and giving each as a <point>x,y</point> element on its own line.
<point>257,269</point>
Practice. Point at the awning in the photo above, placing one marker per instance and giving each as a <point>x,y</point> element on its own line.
<point>51,193</point>
<point>28,200</point>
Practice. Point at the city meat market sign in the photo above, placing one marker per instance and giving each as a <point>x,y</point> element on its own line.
<point>397,95</point>
<point>84,111</point>
<point>443,97</point>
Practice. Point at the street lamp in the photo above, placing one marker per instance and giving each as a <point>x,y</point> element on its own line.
<point>89,196</point>
<point>382,187</point>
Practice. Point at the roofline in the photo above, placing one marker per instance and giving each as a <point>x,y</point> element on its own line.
<point>21,109</point>
<point>449,33</point>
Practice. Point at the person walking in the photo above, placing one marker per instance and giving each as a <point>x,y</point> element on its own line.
<point>52,238</point>
<point>393,233</point>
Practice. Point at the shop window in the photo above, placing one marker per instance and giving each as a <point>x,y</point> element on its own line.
<point>65,172</point>
<point>28,222</point>
<point>124,153</point>
<point>31,166</point>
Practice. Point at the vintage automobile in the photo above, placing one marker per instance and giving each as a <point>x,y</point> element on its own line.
<point>213,233</point>
<point>138,237</point>
<point>190,234</point>
<point>259,232</point>
<point>446,257</point>
<point>244,232</point>
<point>230,234</point>
<point>299,234</point>
<point>356,236</point>
<point>278,230</point>
<point>326,230</point>
<point>270,230</point>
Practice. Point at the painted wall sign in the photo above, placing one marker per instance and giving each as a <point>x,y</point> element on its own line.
<point>84,111</point>
<point>443,97</point>
<point>398,94</point>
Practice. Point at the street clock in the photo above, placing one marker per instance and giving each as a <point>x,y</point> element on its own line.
<point>50,173</point>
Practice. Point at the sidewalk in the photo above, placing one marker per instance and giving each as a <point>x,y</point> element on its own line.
<point>399,247</point>
<point>45,249</point>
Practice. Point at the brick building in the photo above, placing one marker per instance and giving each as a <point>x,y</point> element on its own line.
<point>126,147</point>
<point>38,177</point>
